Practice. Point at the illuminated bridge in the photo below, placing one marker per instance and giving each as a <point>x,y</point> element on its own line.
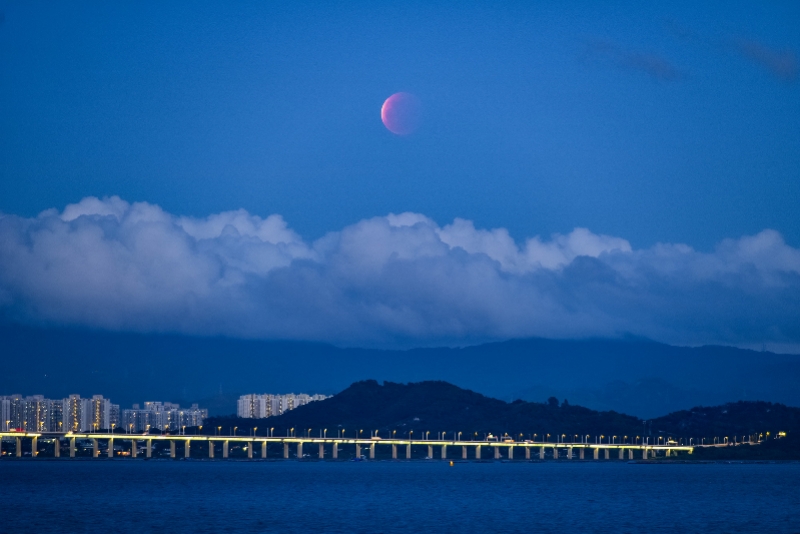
<point>322,447</point>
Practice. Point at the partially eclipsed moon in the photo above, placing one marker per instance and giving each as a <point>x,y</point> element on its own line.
<point>401,113</point>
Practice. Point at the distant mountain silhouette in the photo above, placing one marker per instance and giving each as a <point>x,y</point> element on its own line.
<point>395,409</point>
<point>631,376</point>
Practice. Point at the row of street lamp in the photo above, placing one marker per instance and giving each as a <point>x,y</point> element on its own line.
<point>442,436</point>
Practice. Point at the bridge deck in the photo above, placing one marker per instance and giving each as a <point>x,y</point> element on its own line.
<point>345,441</point>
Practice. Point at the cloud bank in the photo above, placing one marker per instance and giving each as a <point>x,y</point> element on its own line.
<point>387,281</point>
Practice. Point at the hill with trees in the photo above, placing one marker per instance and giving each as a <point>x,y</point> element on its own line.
<point>435,407</point>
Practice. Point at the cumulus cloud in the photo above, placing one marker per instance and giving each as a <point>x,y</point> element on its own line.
<point>395,280</point>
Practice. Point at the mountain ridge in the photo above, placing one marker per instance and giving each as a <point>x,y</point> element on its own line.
<point>635,376</point>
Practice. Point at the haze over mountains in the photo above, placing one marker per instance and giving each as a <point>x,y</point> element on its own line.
<point>631,376</point>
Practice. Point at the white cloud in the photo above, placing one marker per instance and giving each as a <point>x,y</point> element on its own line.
<point>399,279</point>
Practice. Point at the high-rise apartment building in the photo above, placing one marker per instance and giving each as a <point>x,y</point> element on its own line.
<point>14,412</point>
<point>114,416</point>
<point>57,416</point>
<point>162,416</point>
<point>36,413</point>
<point>255,406</point>
<point>100,417</point>
<point>81,415</point>
<point>74,414</point>
<point>5,414</point>
<point>252,406</point>
<point>194,416</point>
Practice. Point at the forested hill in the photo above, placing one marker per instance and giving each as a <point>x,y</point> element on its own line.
<point>441,407</point>
<point>732,419</point>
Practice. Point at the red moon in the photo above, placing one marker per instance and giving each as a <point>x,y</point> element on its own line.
<point>401,113</point>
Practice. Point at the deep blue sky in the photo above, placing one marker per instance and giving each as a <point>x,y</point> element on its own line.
<point>656,123</point>
<point>222,169</point>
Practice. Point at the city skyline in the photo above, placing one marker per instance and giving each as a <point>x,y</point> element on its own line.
<point>35,413</point>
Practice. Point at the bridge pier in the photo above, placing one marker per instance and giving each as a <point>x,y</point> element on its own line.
<point>567,450</point>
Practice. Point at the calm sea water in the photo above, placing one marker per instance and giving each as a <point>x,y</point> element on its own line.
<point>321,497</point>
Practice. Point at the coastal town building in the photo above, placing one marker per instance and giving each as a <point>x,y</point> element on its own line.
<point>162,416</point>
<point>36,413</point>
<point>255,406</point>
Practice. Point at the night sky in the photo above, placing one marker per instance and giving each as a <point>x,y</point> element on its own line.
<point>582,170</point>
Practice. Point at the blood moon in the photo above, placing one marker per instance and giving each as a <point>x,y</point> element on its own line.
<point>401,113</point>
